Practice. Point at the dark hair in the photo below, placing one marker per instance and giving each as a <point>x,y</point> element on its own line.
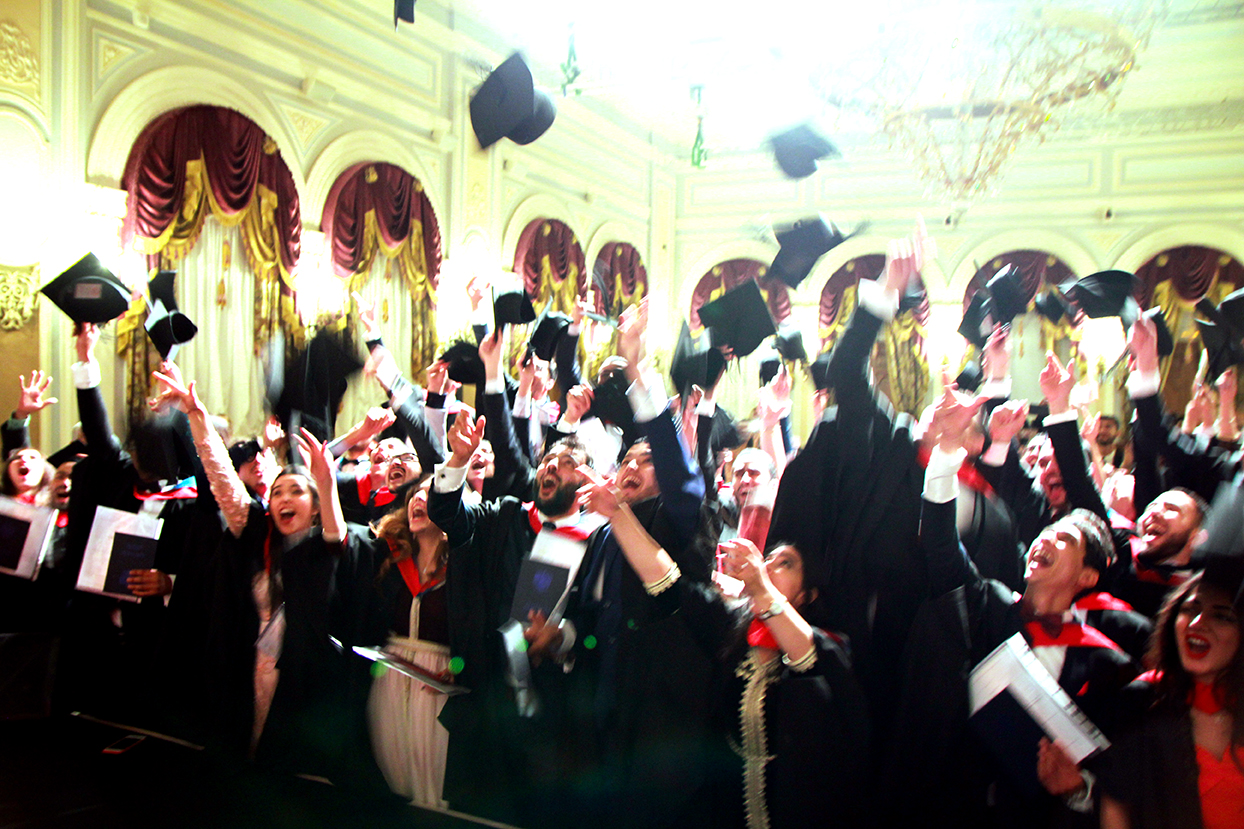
<point>1202,507</point>
<point>1098,543</point>
<point>305,474</point>
<point>7,486</point>
<point>574,444</point>
<point>1111,418</point>
<point>394,529</point>
<point>1174,684</point>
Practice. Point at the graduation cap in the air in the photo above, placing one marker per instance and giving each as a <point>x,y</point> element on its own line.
<point>465,366</point>
<point>314,382</point>
<point>789,344</point>
<point>739,318</point>
<point>1166,342</point>
<point>512,308</point>
<point>798,149</point>
<point>1053,307</point>
<point>1006,295</point>
<point>507,105</point>
<point>88,292</point>
<point>403,10</point>
<point>695,363</point>
<point>610,403</point>
<point>970,378</point>
<point>167,327</point>
<point>1105,294</point>
<point>801,244</point>
<point>819,369</point>
<point>977,323</point>
<point>1221,550</point>
<point>550,327</point>
<point>1222,348</point>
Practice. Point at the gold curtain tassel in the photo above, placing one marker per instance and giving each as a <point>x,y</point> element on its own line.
<point>384,310</point>
<point>220,292</point>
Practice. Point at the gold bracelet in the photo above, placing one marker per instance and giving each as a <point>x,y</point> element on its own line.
<point>664,583</point>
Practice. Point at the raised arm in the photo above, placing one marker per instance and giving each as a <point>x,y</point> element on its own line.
<point>445,506</point>
<point>227,488</point>
<point>1056,383</point>
<point>513,472</point>
<point>101,443</point>
<point>322,470</point>
<point>16,431</point>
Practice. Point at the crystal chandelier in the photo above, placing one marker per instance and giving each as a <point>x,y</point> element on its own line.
<point>958,88</point>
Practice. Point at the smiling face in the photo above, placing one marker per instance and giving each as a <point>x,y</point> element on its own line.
<point>1056,560</point>
<point>1207,632</point>
<point>259,472</point>
<point>25,471</point>
<point>483,464</point>
<point>637,478</point>
<point>558,480</point>
<point>417,509</point>
<point>403,467</point>
<point>1050,477</point>
<point>752,470</point>
<point>292,504</point>
<point>1167,526</point>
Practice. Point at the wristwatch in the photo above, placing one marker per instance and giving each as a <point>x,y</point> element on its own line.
<point>776,608</point>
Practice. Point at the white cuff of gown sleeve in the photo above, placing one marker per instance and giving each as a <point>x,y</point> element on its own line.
<point>86,375</point>
<point>647,397</point>
<point>172,580</point>
<point>1143,384</point>
<point>567,427</point>
<point>995,455</point>
<point>400,394</point>
<point>993,389</point>
<point>876,300</point>
<point>574,329</point>
<point>522,406</point>
<point>448,478</point>
<point>386,371</point>
<point>569,636</point>
<point>941,476</point>
<point>1082,800</point>
<point>1068,416</point>
<point>495,386</point>
<point>707,408</point>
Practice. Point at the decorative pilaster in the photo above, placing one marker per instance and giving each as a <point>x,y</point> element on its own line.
<point>17,295</point>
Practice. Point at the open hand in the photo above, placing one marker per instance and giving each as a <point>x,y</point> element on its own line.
<point>578,402</point>
<point>1056,382</point>
<point>32,399</point>
<point>367,317</point>
<point>631,329</point>
<point>599,495</point>
<point>174,391</point>
<point>1006,420</point>
<point>464,437</point>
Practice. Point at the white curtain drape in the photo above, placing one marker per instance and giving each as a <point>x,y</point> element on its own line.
<point>221,358</point>
<point>364,392</point>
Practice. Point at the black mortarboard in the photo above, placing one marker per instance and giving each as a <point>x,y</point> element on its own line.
<point>1221,551</point>
<point>1105,294</point>
<point>1166,343</point>
<point>166,326</point>
<point>970,378</point>
<point>694,363</point>
<point>977,321</point>
<point>507,104</point>
<point>1006,295</point>
<point>403,10</point>
<point>69,452</point>
<point>769,367</point>
<point>244,450</point>
<point>512,308</point>
<point>1053,307</point>
<point>802,243</point>
<point>465,365</point>
<point>797,150</point>
<point>1222,350</point>
<point>88,292</point>
<point>315,381</point>
<point>610,403</point>
<point>739,318</point>
<point>1232,310</point>
<point>789,344</point>
<point>547,332</point>
<point>819,368</point>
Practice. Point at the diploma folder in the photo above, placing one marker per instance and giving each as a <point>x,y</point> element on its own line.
<point>119,542</point>
<point>25,533</point>
<point>410,669</point>
<point>1015,701</point>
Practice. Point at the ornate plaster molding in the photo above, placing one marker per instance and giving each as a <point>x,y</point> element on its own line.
<point>17,295</point>
<point>18,64</point>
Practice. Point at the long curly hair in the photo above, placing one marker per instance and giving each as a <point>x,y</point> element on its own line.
<point>394,528</point>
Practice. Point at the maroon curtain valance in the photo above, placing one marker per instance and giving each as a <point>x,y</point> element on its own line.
<point>398,207</point>
<point>1037,269</point>
<point>1191,270</point>
<point>732,273</point>
<point>619,277</point>
<point>238,160</point>
<point>551,263</point>
<point>847,276</point>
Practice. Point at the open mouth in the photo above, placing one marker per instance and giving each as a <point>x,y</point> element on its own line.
<point>1196,645</point>
<point>396,477</point>
<point>286,515</point>
<point>1040,558</point>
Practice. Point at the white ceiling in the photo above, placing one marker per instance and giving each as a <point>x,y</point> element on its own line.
<point>640,58</point>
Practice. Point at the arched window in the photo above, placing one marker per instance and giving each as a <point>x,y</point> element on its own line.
<point>732,273</point>
<point>550,263</point>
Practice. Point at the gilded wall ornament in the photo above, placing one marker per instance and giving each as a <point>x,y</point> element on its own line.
<point>17,295</point>
<point>17,58</point>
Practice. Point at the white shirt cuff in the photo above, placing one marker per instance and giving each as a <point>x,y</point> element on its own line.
<point>386,371</point>
<point>995,455</point>
<point>941,477</point>
<point>86,375</point>
<point>647,397</point>
<point>876,300</point>
<point>993,389</point>
<point>1143,384</point>
<point>707,408</point>
<point>1068,416</point>
<point>566,427</point>
<point>522,406</point>
<point>449,478</point>
<point>494,386</point>
<point>573,329</point>
<point>400,394</point>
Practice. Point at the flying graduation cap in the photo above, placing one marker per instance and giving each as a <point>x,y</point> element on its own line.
<point>550,327</point>
<point>403,10</point>
<point>977,323</point>
<point>788,345</point>
<point>167,327</point>
<point>1221,551</point>
<point>88,292</point>
<point>314,381</point>
<point>507,105</point>
<point>695,362</point>
<point>739,318</point>
<point>801,244</point>
<point>1105,294</point>
<point>997,303</point>
<point>512,308</point>
<point>797,150</point>
<point>1221,334</point>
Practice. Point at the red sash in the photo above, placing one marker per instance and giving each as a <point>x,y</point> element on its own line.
<point>536,525</point>
<point>183,489</point>
<point>759,636</point>
<point>1073,635</point>
<point>969,475</point>
<point>362,479</point>
<point>1167,577</point>
<point>1100,600</point>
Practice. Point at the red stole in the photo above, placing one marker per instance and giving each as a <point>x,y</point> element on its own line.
<point>1100,600</point>
<point>969,475</point>
<point>183,489</point>
<point>1072,635</point>
<point>571,531</point>
<point>410,573</point>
